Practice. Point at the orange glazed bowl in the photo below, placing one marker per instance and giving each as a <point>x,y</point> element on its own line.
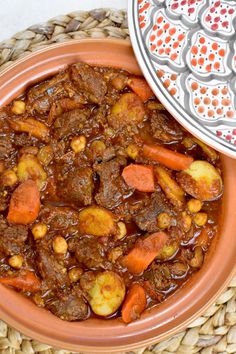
<point>186,304</point>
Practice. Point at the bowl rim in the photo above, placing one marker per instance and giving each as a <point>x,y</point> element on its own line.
<point>11,317</point>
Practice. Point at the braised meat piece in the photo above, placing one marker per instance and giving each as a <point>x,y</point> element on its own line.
<point>146,217</point>
<point>78,186</point>
<point>59,217</point>
<point>113,189</point>
<point>89,81</point>
<point>52,272</point>
<point>89,252</point>
<point>69,306</point>
<point>6,147</point>
<point>12,238</point>
<point>165,128</point>
<point>70,123</point>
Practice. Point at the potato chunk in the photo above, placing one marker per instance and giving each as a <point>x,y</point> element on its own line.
<point>97,221</point>
<point>171,189</point>
<point>128,110</point>
<point>31,126</point>
<point>106,292</point>
<point>29,168</point>
<point>201,180</point>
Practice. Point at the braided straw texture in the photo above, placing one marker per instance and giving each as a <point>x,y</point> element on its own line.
<point>215,331</point>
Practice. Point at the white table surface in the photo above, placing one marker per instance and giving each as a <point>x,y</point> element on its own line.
<point>16,15</point>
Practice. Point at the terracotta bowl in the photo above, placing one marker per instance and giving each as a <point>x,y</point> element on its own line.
<point>163,320</point>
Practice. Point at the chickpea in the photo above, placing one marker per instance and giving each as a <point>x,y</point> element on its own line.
<point>197,260</point>
<point>186,221</point>
<point>78,143</point>
<point>122,230</point>
<point>200,219</point>
<point>18,107</point>
<point>97,147</point>
<point>114,254</point>
<point>194,205</point>
<point>16,261</point>
<point>39,231</point>
<point>163,221</point>
<point>119,82</point>
<point>59,245</point>
<point>75,274</point>
<point>132,151</point>
<point>9,178</point>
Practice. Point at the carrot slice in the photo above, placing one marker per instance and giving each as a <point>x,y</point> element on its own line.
<point>144,252</point>
<point>24,204</point>
<point>140,87</point>
<point>139,177</point>
<point>166,157</point>
<point>26,281</point>
<point>134,304</point>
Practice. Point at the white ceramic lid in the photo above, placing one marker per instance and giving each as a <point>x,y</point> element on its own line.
<point>187,52</point>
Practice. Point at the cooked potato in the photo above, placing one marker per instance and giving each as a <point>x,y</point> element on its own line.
<point>201,180</point>
<point>97,221</point>
<point>128,110</point>
<point>29,167</point>
<point>106,293</point>
<point>45,155</point>
<point>32,127</point>
<point>172,190</point>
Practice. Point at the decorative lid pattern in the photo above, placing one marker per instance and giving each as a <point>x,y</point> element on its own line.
<point>187,51</point>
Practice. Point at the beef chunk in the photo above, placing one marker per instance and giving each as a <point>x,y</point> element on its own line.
<point>59,218</point>
<point>89,252</point>
<point>165,128</point>
<point>70,123</point>
<point>158,279</point>
<point>6,147</point>
<point>112,188</point>
<point>50,269</point>
<point>12,238</point>
<point>146,217</point>
<point>78,186</point>
<point>70,306</point>
<point>89,82</point>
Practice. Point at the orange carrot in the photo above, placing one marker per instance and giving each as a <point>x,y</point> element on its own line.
<point>26,281</point>
<point>166,157</point>
<point>144,252</point>
<point>140,87</point>
<point>134,304</point>
<point>24,204</point>
<point>139,177</point>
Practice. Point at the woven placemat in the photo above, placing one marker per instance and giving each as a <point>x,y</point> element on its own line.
<point>215,331</point>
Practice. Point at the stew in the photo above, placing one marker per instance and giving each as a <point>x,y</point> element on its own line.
<point>107,204</point>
